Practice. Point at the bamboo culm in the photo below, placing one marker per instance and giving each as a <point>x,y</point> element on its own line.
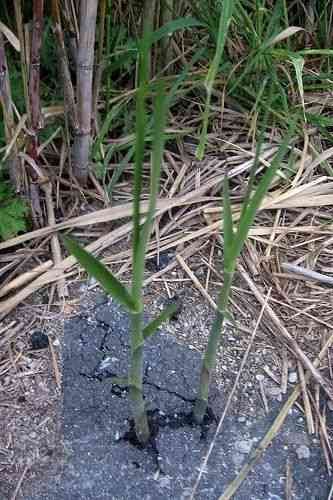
<point>135,379</point>
<point>209,360</point>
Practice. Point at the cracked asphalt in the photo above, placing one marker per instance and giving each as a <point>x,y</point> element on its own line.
<point>99,461</point>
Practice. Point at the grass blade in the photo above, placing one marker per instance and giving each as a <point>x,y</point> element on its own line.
<point>160,113</point>
<point>225,19</point>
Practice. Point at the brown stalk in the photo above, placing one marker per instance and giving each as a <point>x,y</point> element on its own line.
<point>99,59</point>
<point>69,96</point>
<point>149,16</point>
<point>20,32</point>
<point>85,67</point>
<point>167,8</point>
<point>35,107</point>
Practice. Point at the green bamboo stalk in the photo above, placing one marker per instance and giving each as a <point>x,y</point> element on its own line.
<point>133,299</point>
<point>135,379</point>
<point>209,360</point>
<point>141,233</point>
<point>233,245</point>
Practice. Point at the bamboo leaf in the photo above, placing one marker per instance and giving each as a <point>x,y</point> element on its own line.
<point>11,37</point>
<point>96,269</point>
<point>286,33</point>
<point>160,114</point>
<point>165,315</point>
<point>140,132</point>
<point>174,25</point>
<point>254,203</point>
<point>298,63</point>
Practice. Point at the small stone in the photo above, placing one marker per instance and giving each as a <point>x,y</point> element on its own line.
<point>241,419</point>
<point>303,452</point>
<point>293,377</point>
<point>39,340</point>
<point>244,446</point>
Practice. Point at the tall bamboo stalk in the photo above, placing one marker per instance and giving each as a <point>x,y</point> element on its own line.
<point>20,32</point>
<point>99,59</point>
<point>85,67</point>
<point>12,162</point>
<point>167,14</point>
<point>149,16</point>
<point>35,106</point>
<point>69,95</point>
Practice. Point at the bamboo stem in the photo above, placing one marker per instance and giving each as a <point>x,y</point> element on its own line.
<point>35,106</point>
<point>85,67</point>
<point>135,379</point>
<point>99,59</point>
<point>69,96</point>
<point>209,361</point>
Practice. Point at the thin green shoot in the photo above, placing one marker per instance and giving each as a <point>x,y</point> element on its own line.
<point>133,299</point>
<point>234,239</point>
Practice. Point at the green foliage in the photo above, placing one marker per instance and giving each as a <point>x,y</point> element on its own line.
<point>13,212</point>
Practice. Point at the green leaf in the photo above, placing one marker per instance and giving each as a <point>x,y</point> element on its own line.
<point>175,25</point>
<point>96,269</point>
<point>13,212</point>
<point>158,140</point>
<point>298,63</point>
<point>225,20</point>
<point>165,315</point>
<point>254,203</point>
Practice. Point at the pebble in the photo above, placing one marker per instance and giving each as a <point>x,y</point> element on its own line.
<point>303,452</point>
<point>293,377</point>
<point>274,392</point>
<point>244,446</point>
